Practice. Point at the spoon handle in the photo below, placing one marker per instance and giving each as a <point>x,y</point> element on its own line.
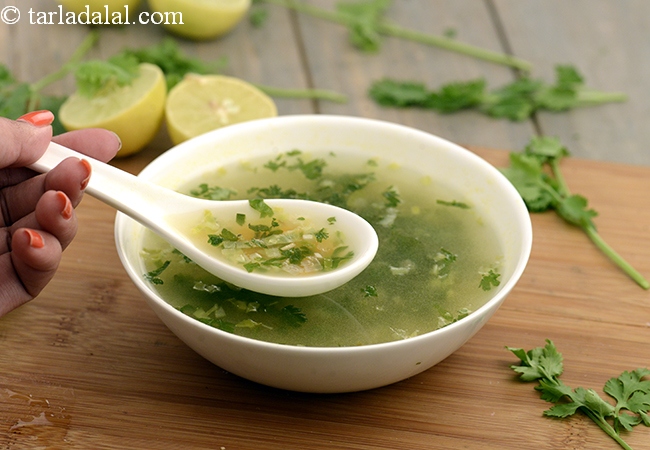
<point>117,188</point>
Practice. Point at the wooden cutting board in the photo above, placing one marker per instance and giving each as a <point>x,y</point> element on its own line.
<point>88,364</point>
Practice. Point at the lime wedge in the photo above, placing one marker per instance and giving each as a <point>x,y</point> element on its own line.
<point>133,112</point>
<point>201,103</point>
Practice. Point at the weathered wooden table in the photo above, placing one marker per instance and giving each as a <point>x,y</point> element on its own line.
<point>88,365</point>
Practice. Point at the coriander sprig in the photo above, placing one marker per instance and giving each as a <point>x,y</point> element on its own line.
<point>630,390</point>
<point>515,101</point>
<point>366,25</point>
<point>175,64</point>
<point>17,97</point>
<point>542,191</point>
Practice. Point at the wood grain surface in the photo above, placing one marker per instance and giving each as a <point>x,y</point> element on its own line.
<point>605,39</point>
<point>88,364</point>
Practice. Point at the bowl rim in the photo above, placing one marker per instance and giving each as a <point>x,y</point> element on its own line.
<point>484,311</point>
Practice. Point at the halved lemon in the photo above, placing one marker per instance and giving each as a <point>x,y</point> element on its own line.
<point>134,112</point>
<point>201,103</point>
<point>199,19</point>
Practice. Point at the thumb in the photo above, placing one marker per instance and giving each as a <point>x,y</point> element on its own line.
<point>25,139</point>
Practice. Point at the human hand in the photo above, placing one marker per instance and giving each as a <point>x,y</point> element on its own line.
<point>37,219</point>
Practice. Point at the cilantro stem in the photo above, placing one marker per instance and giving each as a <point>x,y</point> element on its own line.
<point>455,46</point>
<point>589,98</point>
<point>563,187</point>
<point>318,94</point>
<point>83,48</point>
<point>388,29</point>
<point>591,231</point>
<point>597,419</point>
<point>615,257</point>
<point>606,427</point>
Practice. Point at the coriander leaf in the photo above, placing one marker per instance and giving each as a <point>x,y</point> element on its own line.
<point>454,203</point>
<point>514,101</point>
<point>489,280</point>
<point>546,148</point>
<point>363,18</point>
<point>369,291</point>
<point>321,235</point>
<point>312,169</point>
<point>14,100</point>
<point>260,206</point>
<point>215,240</point>
<point>527,176</point>
<point>574,210</point>
<point>98,77</point>
<point>212,192</point>
<point>375,25</point>
<point>154,275</point>
<point>542,191</point>
<point>541,362</point>
<point>399,94</point>
<point>250,267</point>
<point>258,17</point>
<point>552,391</point>
<point>294,315</point>
<point>173,62</point>
<point>454,97</point>
<point>392,197</point>
<point>228,235</point>
<point>631,392</point>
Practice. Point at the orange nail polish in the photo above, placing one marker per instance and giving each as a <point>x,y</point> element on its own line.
<point>35,239</point>
<point>89,170</point>
<point>66,209</point>
<point>41,118</point>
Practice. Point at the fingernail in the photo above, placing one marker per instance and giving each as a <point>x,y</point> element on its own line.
<point>89,169</point>
<point>41,118</point>
<point>118,140</point>
<point>66,209</point>
<point>35,239</point>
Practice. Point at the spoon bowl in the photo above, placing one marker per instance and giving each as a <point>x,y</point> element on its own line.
<point>159,209</point>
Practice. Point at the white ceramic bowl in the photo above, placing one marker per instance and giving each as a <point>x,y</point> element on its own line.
<point>338,369</point>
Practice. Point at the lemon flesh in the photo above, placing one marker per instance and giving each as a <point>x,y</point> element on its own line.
<point>201,103</point>
<point>201,19</point>
<point>134,112</point>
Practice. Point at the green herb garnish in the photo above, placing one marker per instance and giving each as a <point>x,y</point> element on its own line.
<point>515,101</point>
<point>260,206</point>
<point>630,391</point>
<point>154,276</point>
<point>369,291</point>
<point>392,197</point>
<point>542,191</point>
<point>212,192</point>
<point>366,25</point>
<point>489,280</point>
<point>453,203</point>
<point>18,97</point>
<point>321,235</point>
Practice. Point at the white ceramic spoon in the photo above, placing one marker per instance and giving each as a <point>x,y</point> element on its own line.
<point>152,205</point>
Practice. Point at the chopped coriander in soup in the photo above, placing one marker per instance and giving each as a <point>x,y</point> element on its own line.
<point>437,259</point>
<point>271,241</point>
